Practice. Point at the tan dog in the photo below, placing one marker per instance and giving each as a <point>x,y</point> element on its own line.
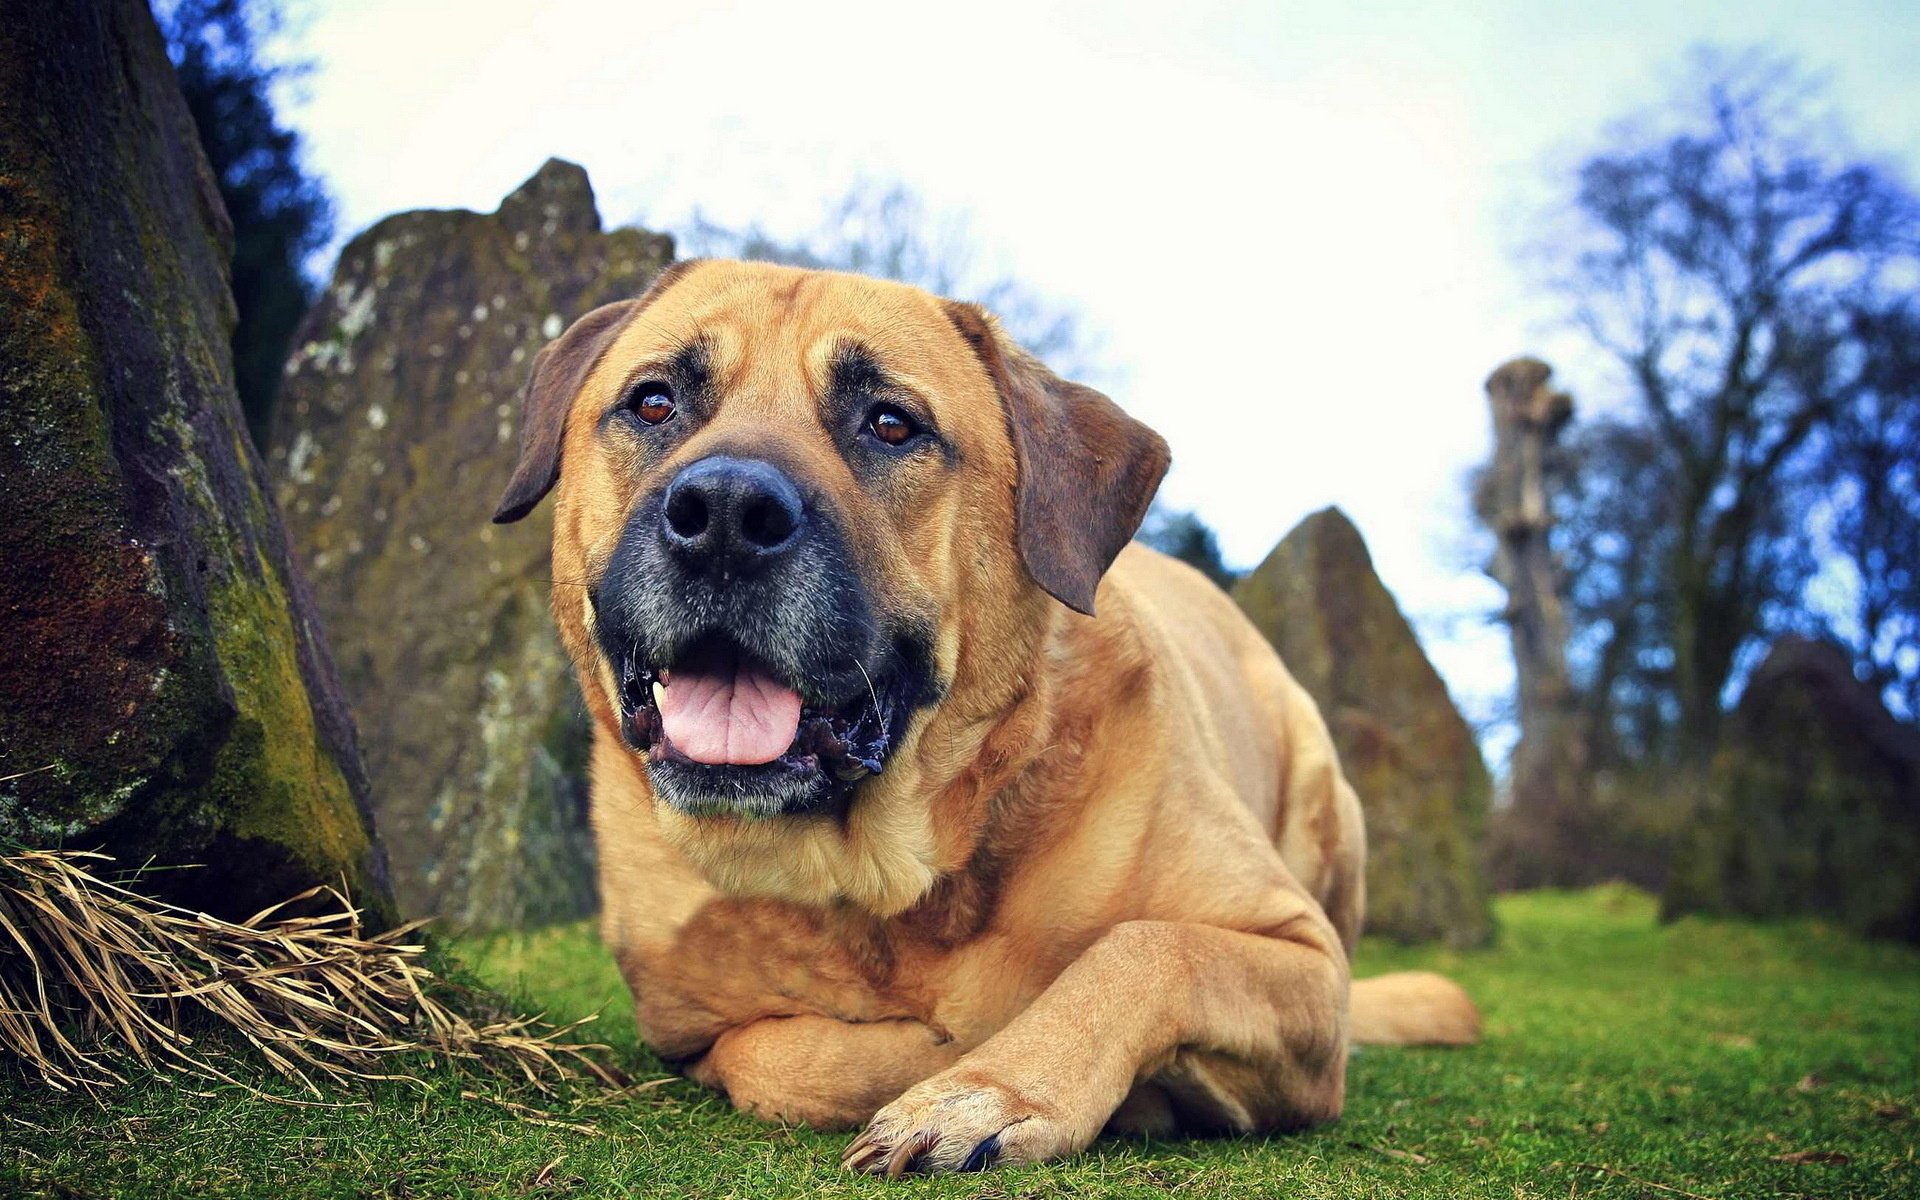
<point>892,829</point>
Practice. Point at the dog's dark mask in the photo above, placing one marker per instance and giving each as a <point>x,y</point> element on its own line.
<point>802,617</point>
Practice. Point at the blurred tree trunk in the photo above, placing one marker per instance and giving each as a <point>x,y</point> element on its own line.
<point>1551,787</point>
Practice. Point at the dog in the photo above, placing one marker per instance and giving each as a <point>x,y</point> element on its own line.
<point>925,800</point>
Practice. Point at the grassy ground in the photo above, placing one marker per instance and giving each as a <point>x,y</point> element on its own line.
<point>1623,1059</point>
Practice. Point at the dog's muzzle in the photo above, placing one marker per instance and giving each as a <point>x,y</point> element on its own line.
<point>756,674</point>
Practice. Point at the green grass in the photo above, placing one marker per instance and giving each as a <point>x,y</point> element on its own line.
<point>1623,1059</point>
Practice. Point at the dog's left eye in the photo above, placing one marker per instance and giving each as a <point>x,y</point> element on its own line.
<point>652,402</point>
<point>891,425</point>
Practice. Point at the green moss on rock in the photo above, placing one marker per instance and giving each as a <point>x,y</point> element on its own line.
<point>163,694</point>
<point>270,785</point>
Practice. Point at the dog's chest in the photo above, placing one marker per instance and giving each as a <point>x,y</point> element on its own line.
<point>735,961</point>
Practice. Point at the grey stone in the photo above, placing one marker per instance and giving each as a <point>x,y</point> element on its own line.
<point>1811,806</point>
<point>1402,743</point>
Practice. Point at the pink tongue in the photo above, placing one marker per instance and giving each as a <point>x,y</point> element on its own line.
<point>727,712</point>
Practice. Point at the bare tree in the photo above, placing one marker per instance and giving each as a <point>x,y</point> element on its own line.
<point>1614,538</point>
<point>1874,449</point>
<point>1746,276</point>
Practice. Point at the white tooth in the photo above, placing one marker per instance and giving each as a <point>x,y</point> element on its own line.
<point>658,691</point>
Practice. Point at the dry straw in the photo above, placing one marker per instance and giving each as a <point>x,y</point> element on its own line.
<point>93,974</point>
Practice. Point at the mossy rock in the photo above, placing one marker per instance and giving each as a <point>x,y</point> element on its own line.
<point>396,429</point>
<point>1402,743</point>
<point>1811,806</point>
<point>164,693</point>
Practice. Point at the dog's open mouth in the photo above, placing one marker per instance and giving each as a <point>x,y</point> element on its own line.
<point>718,707</point>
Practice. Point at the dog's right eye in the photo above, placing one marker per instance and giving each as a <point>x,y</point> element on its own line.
<point>891,425</point>
<point>652,402</point>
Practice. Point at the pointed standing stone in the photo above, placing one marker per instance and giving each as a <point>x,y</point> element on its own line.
<point>1402,743</point>
<point>398,419</point>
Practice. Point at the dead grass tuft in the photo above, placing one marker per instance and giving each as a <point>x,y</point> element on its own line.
<point>94,974</point>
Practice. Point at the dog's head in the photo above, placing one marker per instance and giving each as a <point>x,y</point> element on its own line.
<point>791,505</point>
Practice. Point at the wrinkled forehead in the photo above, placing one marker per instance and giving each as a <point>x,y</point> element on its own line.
<point>778,332</point>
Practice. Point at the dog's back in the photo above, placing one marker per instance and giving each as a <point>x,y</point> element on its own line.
<point>1254,717</point>
<point>1255,720</point>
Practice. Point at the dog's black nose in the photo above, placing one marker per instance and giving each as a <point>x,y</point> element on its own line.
<point>731,514</point>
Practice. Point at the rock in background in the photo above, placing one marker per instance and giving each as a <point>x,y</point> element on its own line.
<point>1402,743</point>
<point>396,429</point>
<point>1812,804</point>
<point>164,693</point>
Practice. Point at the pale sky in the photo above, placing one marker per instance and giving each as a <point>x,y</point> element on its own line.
<point>1292,225</point>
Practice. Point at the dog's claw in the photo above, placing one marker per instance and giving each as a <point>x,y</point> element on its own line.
<point>938,1127</point>
<point>875,1156</point>
<point>910,1148</point>
<point>981,1156</point>
<point>860,1155</point>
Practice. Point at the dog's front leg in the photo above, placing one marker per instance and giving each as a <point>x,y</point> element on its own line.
<point>818,1071</point>
<point>1251,1028</point>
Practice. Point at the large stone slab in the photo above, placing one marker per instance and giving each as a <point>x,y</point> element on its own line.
<point>1812,804</point>
<point>164,693</point>
<point>1402,743</point>
<point>397,426</point>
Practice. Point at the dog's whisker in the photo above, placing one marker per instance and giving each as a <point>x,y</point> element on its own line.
<point>873,695</point>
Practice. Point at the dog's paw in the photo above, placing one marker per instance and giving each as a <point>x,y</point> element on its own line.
<point>958,1122</point>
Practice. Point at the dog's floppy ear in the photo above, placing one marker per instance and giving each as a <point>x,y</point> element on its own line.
<point>1087,469</point>
<point>559,371</point>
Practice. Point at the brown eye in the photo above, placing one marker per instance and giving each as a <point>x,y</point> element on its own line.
<point>651,402</point>
<point>890,425</point>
